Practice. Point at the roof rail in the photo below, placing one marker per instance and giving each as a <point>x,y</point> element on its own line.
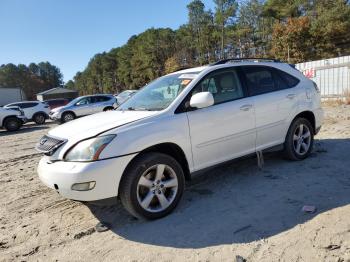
<point>255,59</point>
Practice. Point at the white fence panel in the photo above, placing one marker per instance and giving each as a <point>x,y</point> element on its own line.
<point>331,75</point>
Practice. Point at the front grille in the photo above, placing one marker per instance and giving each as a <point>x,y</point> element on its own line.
<point>49,144</point>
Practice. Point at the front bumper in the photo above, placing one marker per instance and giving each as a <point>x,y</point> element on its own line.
<point>23,119</point>
<point>62,175</point>
<point>55,117</point>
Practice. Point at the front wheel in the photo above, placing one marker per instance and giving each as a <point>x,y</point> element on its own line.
<point>12,124</point>
<point>152,186</point>
<point>66,117</point>
<point>39,119</point>
<point>299,140</point>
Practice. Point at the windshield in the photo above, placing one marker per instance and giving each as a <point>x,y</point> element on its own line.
<point>159,94</point>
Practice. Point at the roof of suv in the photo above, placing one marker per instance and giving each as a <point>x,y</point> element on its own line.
<point>239,62</point>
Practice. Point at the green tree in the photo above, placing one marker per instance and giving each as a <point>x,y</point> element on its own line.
<point>200,23</point>
<point>225,12</point>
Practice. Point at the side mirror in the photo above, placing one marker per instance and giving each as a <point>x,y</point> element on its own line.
<point>202,100</point>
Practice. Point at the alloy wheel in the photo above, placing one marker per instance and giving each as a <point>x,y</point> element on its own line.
<point>302,139</point>
<point>157,188</point>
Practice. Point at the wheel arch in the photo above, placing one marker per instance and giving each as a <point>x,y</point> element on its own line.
<point>7,117</point>
<point>167,148</point>
<point>107,107</point>
<point>310,116</point>
<point>68,111</point>
<point>40,112</point>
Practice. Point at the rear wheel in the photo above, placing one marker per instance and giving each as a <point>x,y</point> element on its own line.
<point>152,186</point>
<point>299,140</point>
<point>109,108</point>
<point>12,124</point>
<point>39,119</point>
<point>68,116</point>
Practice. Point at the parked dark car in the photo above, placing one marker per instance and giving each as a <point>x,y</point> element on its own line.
<point>53,103</point>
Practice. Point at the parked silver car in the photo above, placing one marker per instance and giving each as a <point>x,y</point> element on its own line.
<point>125,95</point>
<point>82,106</point>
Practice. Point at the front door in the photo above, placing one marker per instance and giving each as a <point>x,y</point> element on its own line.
<point>83,107</point>
<point>225,130</point>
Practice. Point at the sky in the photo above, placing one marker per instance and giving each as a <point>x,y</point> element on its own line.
<point>67,33</point>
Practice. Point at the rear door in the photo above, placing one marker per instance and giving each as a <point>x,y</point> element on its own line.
<point>29,109</point>
<point>227,129</point>
<point>274,101</point>
<point>99,103</point>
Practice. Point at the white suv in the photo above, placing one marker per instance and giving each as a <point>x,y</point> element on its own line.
<point>178,124</point>
<point>11,118</point>
<point>35,111</point>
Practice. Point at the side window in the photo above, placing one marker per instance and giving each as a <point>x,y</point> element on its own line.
<point>289,81</point>
<point>28,105</point>
<point>224,86</point>
<point>83,101</point>
<point>260,79</point>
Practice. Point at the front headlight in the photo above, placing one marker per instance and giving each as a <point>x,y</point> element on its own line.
<point>89,150</point>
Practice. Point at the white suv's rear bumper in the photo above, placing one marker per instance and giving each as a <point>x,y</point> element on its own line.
<point>319,115</point>
<point>62,175</point>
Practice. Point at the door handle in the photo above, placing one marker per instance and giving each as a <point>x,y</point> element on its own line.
<point>246,107</point>
<point>291,96</point>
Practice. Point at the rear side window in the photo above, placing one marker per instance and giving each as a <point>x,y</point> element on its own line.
<point>98,99</point>
<point>289,80</point>
<point>259,79</point>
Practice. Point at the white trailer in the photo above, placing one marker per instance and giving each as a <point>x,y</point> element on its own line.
<point>10,95</point>
<point>331,75</point>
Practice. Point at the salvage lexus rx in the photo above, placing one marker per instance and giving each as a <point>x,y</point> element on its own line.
<point>180,123</point>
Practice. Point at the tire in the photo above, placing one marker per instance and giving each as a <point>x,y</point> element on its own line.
<point>299,140</point>
<point>141,194</point>
<point>39,118</point>
<point>66,117</point>
<point>12,124</point>
<point>108,109</point>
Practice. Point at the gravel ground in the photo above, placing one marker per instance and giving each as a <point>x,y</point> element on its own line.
<point>232,210</point>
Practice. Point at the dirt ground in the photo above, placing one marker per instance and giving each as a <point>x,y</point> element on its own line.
<point>235,209</point>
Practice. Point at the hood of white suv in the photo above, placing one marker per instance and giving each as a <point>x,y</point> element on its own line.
<point>93,125</point>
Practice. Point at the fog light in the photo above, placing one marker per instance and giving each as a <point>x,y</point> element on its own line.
<point>84,186</point>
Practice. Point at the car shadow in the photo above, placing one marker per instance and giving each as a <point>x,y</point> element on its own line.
<point>26,128</point>
<point>238,203</point>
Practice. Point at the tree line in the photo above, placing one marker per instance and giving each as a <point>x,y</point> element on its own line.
<point>33,78</point>
<point>290,30</point>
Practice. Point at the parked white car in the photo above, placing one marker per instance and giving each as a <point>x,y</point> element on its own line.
<point>125,95</point>
<point>35,111</point>
<point>177,125</point>
<point>82,106</point>
<point>11,119</point>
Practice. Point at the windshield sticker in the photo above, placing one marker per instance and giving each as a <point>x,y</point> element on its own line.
<point>185,82</point>
<point>189,76</point>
